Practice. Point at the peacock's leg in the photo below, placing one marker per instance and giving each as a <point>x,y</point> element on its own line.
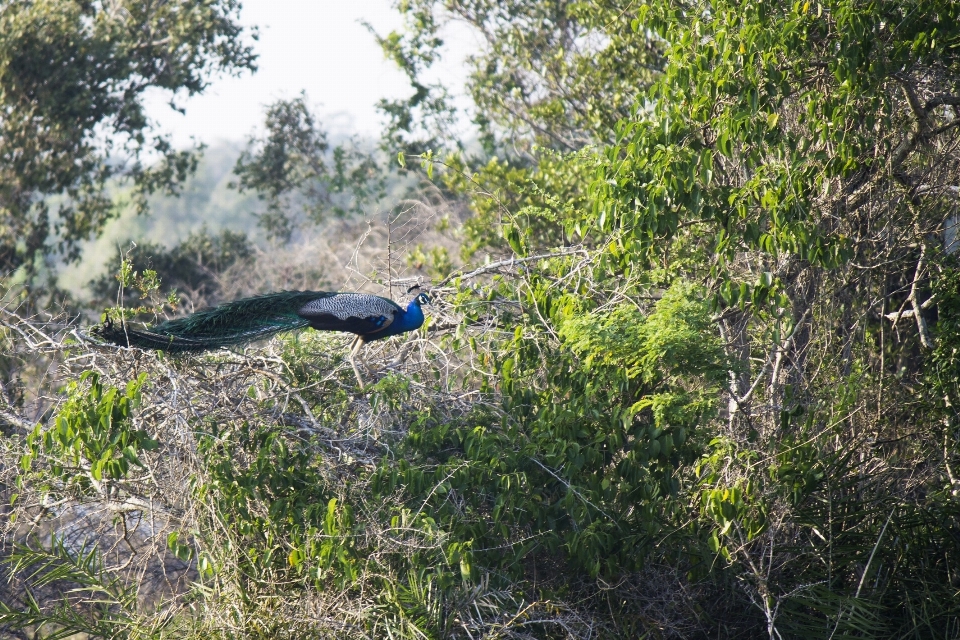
<point>354,349</point>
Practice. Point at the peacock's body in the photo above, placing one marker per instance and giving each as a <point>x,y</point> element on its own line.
<point>368,316</point>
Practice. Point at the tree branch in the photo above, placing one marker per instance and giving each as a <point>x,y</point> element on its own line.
<point>925,338</point>
<point>933,103</point>
<point>16,421</point>
<point>780,351</point>
<point>493,266</point>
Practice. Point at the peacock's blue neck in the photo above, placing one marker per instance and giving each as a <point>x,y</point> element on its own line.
<point>409,320</point>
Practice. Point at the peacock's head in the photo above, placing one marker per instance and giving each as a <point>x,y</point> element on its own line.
<point>421,296</point>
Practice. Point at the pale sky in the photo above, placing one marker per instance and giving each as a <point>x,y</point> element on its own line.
<point>318,46</point>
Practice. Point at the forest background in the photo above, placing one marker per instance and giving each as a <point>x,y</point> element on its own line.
<point>690,371</point>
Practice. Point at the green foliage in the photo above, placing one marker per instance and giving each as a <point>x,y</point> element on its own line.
<point>93,600</point>
<point>426,118</point>
<point>194,265</point>
<point>943,375</point>
<point>526,208</point>
<point>436,262</point>
<point>289,170</point>
<point>92,439</point>
<point>776,157</point>
<point>559,74</point>
<point>587,454</point>
<point>276,499</point>
<point>72,80</point>
<point>146,286</point>
<point>759,111</point>
<point>676,341</point>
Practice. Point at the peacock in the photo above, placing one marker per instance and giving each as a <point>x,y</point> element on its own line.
<point>368,316</point>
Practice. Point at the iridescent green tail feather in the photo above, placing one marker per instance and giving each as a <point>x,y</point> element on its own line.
<point>229,324</point>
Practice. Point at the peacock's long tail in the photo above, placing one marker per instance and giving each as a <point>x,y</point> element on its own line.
<point>229,324</point>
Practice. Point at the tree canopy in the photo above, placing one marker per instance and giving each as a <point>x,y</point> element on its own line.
<point>73,76</point>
